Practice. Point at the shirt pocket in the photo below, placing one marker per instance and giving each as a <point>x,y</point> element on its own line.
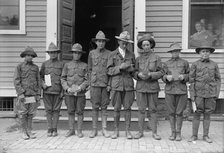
<point>152,65</point>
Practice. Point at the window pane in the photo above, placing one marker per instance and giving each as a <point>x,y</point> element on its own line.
<point>206,23</point>
<point>9,14</point>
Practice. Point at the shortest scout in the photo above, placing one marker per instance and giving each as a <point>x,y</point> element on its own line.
<point>205,83</point>
<point>74,82</point>
<point>50,74</point>
<point>176,76</point>
<point>28,88</point>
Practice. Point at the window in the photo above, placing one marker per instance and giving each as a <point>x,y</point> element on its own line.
<point>12,16</point>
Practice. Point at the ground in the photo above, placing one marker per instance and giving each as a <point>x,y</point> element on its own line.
<point>11,142</point>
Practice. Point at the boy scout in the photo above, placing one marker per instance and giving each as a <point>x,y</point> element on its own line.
<point>52,90</point>
<point>28,88</point>
<point>120,68</point>
<point>176,75</point>
<point>205,83</point>
<point>148,72</point>
<point>97,67</point>
<point>74,82</point>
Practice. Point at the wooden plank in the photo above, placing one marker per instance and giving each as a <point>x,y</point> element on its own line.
<point>36,18</point>
<point>36,3</point>
<point>164,23</point>
<point>164,3</point>
<point>164,8</point>
<point>166,19</point>
<point>149,13</point>
<point>37,8</point>
<point>164,29</point>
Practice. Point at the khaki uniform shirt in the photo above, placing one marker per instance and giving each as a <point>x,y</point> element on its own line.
<point>27,79</point>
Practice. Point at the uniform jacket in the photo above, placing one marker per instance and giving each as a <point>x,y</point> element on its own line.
<point>54,68</point>
<point>205,79</point>
<point>198,38</point>
<point>177,67</point>
<point>75,73</point>
<point>27,79</point>
<point>121,79</point>
<point>97,67</point>
<point>145,64</point>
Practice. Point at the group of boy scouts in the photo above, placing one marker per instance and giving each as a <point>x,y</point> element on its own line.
<point>109,77</point>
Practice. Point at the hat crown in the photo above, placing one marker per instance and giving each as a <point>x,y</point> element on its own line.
<point>52,47</point>
<point>28,48</point>
<point>125,35</point>
<point>205,44</point>
<point>100,35</point>
<point>175,46</point>
<point>76,47</point>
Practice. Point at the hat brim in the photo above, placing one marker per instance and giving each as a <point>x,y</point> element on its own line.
<point>200,48</point>
<point>152,41</point>
<point>53,50</point>
<point>80,51</point>
<point>23,54</point>
<point>174,50</point>
<point>95,39</point>
<point>125,40</point>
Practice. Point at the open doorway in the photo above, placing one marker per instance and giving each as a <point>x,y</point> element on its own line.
<point>94,15</point>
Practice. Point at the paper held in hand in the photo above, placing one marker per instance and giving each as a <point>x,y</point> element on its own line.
<point>47,79</point>
<point>194,106</point>
<point>30,100</point>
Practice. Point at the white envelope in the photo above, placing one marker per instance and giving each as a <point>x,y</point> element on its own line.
<point>30,100</point>
<point>47,79</point>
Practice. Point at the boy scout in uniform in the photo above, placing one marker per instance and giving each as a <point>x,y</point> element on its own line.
<point>97,67</point>
<point>52,90</point>
<point>148,72</point>
<point>205,83</point>
<point>176,75</point>
<point>74,82</point>
<point>28,87</point>
<point>120,68</point>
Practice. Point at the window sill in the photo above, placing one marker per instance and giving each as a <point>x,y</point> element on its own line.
<point>190,51</point>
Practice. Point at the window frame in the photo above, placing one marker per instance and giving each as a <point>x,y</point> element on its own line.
<point>185,29</point>
<point>22,25</point>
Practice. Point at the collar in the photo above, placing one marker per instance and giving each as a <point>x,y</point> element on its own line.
<point>205,60</point>
<point>175,59</point>
<point>28,63</point>
<point>122,52</point>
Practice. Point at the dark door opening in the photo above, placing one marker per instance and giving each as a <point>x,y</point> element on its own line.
<point>94,15</point>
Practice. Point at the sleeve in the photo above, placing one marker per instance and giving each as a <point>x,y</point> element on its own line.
<point>192,76</point>
<point>218,79</point>
<point>17,81</point>
<point>85,83</point>
<point>64,78</point>
<point>89,66</point>
<point>42,70</point>
<point>38,82</point>
<point>159,70</point>
<point>136,69</point>
<point>165,70</point>
<point>111,67</point>
<point>186,74</point>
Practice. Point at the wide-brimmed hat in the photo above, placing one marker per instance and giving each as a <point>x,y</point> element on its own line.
<point>52,48</point>
<point>174,47</point>
<point>205,45</point>
<point>146,37</point>
<point>100,36</point>
<point>77,48</point>
<point>28,51</point>
<point>124,36</point>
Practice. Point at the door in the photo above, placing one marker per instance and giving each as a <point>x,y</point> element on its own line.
<point>128,18</point>
<point>66,18</point>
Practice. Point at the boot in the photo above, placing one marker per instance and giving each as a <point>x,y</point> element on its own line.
<point>49,124</point>
<point>49,132</point>
<point>127,124</point>
<point>79,129</point>
<point>141,120</point>
<point>29,127</point>
<point>206,125</point>
<point>23,121</point>
<point>71,122</point>
<point>94,122</point>
<point>55,123</point>
<point>173,127</point>
<point>104,124</point>
<point>149,125</point>
<point>154,127</point>
<point>195,126</point>
<point>54,132</point>
<point>179,126</point>
<point>116,125</point>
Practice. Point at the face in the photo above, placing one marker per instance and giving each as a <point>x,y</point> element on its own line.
<point>146,46</point>
<point>76,55</point>
<point>53,55</point>
<point>175,54</point>
<point>100,44</point>
<point>205,53</point>
<point>198,27</point>
<point>29,58</point>
<point>122,44</point>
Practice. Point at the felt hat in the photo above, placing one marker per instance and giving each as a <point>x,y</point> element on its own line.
<point>52,48</point>
<point>28,51</point>
<point>100,36</point>
<point>77,48</point>
<point>146,37</point>
<point>174,47</point>
<point>205,45</point>
<point>124,36</point>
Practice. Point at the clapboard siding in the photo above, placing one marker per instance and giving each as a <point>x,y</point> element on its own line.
<point>12,45</point>
<point>164,19</point>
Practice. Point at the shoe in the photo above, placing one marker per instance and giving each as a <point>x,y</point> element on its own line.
<point>93,134</point>
<point>70,133</point>
<point>31,135</point>
<point>80,134</point>
<point>25,136</point>
<point>207,139</point>
<point>115,134</point>
<point>173,136</point>
<point>193,138</point>
<point>129,135</point>
<point>54,132</point>
<point>49,132</point>
<point>178,137</point>
<point>156,136</point>
<point>138,135</point>
<point>105,133</point>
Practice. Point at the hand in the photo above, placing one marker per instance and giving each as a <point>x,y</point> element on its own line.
<point>108,88</point>
<point>38,98</point>
<point>124,66</point>
<point>79,89</point>
<point>69,90</point>
<point>149,74</point>
<point>21,98</point>
<point>169,78</point>
<point>181,77</point>
<point>142,76</point>
<point>45,86</point>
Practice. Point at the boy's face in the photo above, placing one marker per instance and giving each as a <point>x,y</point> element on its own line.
<point>175,53</point>
<point>122,44</point>
<point>53,55</point>
<point>198,27</point>
<point>100,44</point>
<point>29,58</point>
<point>146,46</point>
<point>205,53</point>
<point>76,56</point>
